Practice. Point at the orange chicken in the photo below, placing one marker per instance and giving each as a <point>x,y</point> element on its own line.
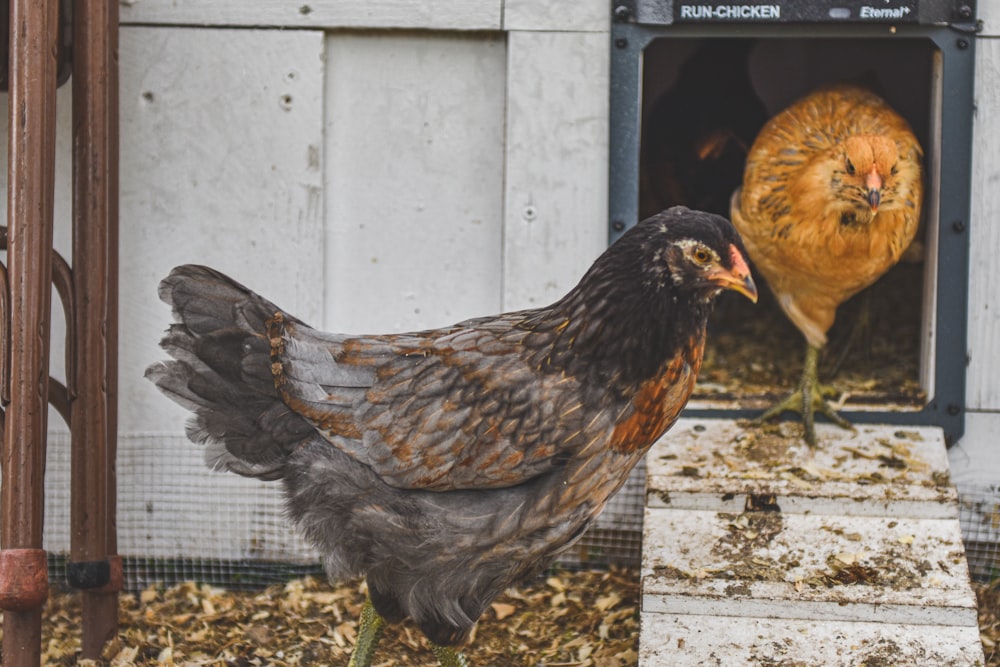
<point>830,200</point>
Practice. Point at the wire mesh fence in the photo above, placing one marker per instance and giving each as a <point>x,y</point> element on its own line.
<point>179,521</point>
<point>979,512</point>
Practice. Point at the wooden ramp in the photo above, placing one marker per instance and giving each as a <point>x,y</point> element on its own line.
<point>760,551</point>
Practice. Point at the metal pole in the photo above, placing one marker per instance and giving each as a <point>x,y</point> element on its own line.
<point>31,160</point>
<point>94,566</point>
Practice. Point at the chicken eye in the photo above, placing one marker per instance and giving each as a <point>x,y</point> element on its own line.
<point>702,255</point>
<point>850,167</point>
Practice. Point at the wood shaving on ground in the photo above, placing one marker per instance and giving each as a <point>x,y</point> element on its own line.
<point>566,619</point>
<point>988,596</point>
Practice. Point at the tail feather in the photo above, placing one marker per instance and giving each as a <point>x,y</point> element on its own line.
<point>222,372</point>
<point>205,301</point>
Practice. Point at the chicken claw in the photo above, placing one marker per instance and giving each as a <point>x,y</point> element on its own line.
<point>449,656</point>
<point>806,400</point>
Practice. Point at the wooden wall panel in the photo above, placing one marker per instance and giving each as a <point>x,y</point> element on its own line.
<point>428,14</point>
<point>221,164</point>
<point>975,460</point>
<point>556,203</point>
<point>988,11</point>
<point>414,149</point>
<point>560,15</point>
<point>983,382</point>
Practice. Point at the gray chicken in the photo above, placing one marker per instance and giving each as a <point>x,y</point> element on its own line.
<point>447,465</point>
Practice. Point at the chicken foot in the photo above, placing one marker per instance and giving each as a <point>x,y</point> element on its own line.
<point>806,400</point>
<point>449,656</point>
<point>370,630</point>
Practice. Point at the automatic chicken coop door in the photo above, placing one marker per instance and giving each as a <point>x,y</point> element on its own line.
<point>692,81</point>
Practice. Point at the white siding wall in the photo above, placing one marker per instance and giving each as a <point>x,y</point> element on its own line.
<point>414,179</point>
<point>375,179</point>
<point>363,177</point>
<point>221,147</point>
<point>221,164</point>
<point>426,14</point>
<point>976,459</point>
<point>556,155</point>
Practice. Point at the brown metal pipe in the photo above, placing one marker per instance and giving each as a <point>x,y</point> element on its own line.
<point>29,208</point>
<point>31,160</point>
<point>111,323</point>
<point>62,280</point>
<point>95,210</point>
<point>25,579</point>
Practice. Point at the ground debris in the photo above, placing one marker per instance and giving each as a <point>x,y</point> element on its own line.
<point>585,619</point>
<point>309,622</point>
<point>988,595</point>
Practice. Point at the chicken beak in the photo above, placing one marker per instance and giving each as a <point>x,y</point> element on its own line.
<point>873,199</point>
<point>874,184</point>
<point>738,278</point>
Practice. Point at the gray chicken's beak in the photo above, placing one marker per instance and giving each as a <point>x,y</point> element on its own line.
<point>737,278</point>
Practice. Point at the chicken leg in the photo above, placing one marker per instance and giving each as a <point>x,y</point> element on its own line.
<point>369,633</point>
<point>807,399</point>
<point>370,630</point>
